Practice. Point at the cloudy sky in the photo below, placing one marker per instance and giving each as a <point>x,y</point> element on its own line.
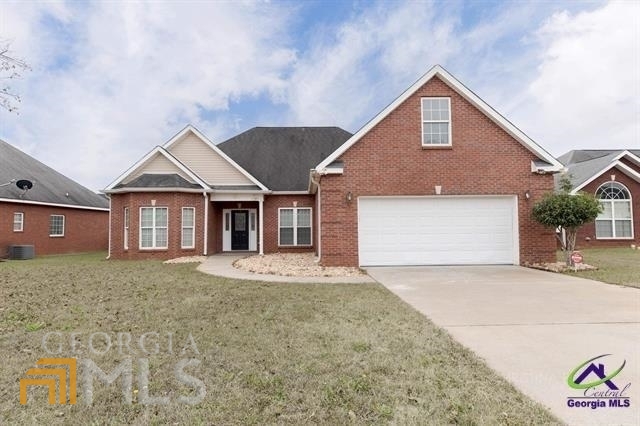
<point>111,80</point>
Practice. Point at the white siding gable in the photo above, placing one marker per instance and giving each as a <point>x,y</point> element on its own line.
<point>198,156</point>
<point>158,164</point>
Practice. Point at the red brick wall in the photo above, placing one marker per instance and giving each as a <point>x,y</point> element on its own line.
<point>587,234</point>
<point>174,202</point>
<point>390,160</point>
<point>84,230</point>
<point>271,205</point>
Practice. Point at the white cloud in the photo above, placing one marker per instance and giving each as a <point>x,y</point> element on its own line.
<point>134,74</point>
<point>586,93</point>
<point>353,71</point>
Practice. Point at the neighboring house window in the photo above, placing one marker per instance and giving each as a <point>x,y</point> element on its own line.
<point>153,227</point>
<point>18,222</point>
<point>294,226</point>
<point>126,228</point>
<point>56,225</point>
<point>615,220</point>
<point>188,227</point>
<point>436,121</point>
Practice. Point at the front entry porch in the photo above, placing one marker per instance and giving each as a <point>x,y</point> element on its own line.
<point>239,231</point>
<point>236,223</point>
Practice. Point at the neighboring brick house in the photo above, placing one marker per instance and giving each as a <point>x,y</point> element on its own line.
<point>56,215</point>
<point>437,177</point>
<point>613,176</point>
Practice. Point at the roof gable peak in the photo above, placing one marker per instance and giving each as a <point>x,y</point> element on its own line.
<point>462,90</point>
<point>189,128</point>
<point>158,150</point>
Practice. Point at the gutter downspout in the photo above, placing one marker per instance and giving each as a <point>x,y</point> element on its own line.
<point>109,238</point>
<point>319,215</point>
<point>206,223</point>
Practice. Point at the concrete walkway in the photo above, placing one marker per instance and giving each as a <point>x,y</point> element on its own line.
<point>534,328</point>
<point>222,265</point>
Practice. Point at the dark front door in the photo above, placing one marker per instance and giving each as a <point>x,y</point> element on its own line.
<point>240,230</point>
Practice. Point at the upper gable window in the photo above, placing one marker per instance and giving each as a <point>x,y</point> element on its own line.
<point>436,121</point>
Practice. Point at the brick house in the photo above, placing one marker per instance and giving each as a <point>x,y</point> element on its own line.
<point>55,215</point>
<point>437,177</point>
<point>613,176</point>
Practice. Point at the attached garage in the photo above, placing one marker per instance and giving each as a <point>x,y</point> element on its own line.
<point>440,230</point>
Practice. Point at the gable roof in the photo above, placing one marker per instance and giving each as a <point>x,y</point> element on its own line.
<point>116,185</point>
<point>191,129</point>
<point>282,157</point>
<point>553,165</point>
<point>583,166</point>
<point>49,186</point>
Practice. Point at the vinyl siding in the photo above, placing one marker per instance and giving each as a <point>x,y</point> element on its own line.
<point>206,163</point>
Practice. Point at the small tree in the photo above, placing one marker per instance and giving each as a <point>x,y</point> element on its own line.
<point>10,69</point>
<point>561,210</point>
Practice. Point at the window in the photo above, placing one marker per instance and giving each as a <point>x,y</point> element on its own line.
<point>153,227</point>
<point>188,227</point>
<point>294,226</point>
<point>56,225</point>
<point>615,220</point>
<point>436,121</point>
<point>18,222</point>
<point>126,228</point>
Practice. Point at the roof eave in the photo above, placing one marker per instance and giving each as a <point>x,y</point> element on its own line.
<point>44,203</point>
<point>154,189</point>
<point>544,169</point>
<point>239,191</point>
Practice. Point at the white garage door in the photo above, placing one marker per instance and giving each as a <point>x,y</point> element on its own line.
<point>437,231</point>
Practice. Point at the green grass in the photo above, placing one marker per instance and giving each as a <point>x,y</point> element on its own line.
<point>615,265</point>
<point>270,353</point>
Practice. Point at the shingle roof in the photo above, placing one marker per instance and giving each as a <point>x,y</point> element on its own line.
<point>159,180</point>
<point>281,157</point>
<point>583,164</point>
<point>49,186</point>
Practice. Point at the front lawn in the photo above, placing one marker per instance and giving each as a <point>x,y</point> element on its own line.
<point>615,265</point>
<point>268,353</point>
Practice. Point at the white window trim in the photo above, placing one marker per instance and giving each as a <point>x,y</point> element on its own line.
<point>434,145</point>
<point>154,227</point>
<point>63,226</point>
<point>21,221</point>
<point>295,226</point>
<point>126,220</point>
<point>613,214</point>
<point>192,227</point>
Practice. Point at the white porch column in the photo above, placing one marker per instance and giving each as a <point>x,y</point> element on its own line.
<point>206,223</point>
<point>261,223</point>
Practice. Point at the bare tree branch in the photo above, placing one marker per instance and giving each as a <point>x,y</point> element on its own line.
<point>10,69</point>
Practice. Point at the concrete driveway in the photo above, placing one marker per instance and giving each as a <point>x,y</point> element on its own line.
<point>534,328</point>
